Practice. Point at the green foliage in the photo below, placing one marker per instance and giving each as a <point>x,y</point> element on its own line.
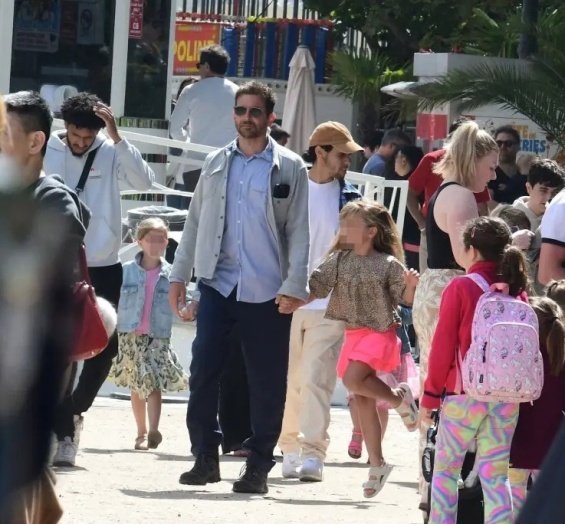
<point>534,88</point>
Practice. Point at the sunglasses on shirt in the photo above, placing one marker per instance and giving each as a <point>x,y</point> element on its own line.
<point>254,112</point>
<point>506,143</point>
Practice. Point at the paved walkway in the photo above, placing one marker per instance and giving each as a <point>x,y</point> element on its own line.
<point>112,483</point>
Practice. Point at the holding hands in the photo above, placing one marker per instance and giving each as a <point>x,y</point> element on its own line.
<point>288,305</point>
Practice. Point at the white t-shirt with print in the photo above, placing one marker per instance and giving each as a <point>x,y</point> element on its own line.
<point>323,202</point>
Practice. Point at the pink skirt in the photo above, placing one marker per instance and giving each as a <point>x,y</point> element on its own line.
<point>379,350</point>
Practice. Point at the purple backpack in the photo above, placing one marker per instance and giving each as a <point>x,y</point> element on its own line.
<point>504,363</point>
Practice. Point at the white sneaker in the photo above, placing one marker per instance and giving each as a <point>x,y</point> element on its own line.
<point>66,453</point>
<point>79,424</point>
<point>291,465</point>
<point>312,470</point>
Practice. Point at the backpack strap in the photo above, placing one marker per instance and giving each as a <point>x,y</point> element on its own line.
<point>480,281</point>
<point>86,171</point>
<point>484,285</point>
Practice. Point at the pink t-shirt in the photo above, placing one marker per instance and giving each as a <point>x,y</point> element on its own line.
<point>151,278</point>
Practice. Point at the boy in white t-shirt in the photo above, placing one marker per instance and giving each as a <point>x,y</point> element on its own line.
<point>314,340</point>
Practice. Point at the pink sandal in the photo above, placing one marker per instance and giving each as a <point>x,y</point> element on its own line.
<point>355,448</point>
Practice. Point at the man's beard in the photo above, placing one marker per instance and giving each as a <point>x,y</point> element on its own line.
<point>250,130</point>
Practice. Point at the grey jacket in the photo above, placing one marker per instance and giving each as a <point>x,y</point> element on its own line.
<point>201,240</point>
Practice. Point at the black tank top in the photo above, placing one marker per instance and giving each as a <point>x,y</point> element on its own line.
<point>440,254</point>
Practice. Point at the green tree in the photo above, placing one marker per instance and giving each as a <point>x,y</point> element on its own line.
<point>400,28</point>
<point>360,76</point>
<point>532,87</point>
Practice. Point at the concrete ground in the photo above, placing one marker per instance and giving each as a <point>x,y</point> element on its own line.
<point>112,483</point>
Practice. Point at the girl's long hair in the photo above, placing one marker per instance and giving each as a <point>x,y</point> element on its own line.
<point>551,331</point>
<point>387,240</point>
<point>492,238</point>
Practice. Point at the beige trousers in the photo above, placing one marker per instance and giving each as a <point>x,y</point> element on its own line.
<point>425,313</point>
<point>315,343</point>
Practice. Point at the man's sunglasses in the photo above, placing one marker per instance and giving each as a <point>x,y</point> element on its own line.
<point>506,143</point>
<point>254,112</point>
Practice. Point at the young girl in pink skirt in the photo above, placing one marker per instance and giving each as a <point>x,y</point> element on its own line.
<point>368,281</point>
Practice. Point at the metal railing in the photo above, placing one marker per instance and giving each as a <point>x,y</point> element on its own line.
<point>370,186</point>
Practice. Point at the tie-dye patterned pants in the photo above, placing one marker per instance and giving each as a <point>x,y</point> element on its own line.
<point>493,424</point>
<point>425,315</point>
<point>519,483</point>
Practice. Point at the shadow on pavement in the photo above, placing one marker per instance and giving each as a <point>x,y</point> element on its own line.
<point>229,496</point>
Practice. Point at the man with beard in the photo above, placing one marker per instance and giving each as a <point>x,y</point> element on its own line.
<point>82,153</point>
<point>246,236</point>
<point>315,341</point>
<point>509,184</point>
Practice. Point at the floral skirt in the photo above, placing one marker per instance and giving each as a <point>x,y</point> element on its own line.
<point>145,364</point>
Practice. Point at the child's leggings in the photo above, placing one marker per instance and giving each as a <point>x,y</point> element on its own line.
<point>493,423</point>
<point>519,484</point>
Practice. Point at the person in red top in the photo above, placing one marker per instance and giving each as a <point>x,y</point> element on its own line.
<point>487,251</point>
<point>539,421</point>
<point>424,181</point>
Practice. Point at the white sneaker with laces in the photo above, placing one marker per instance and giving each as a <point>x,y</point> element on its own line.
<point>312,470</point>
<point>291,465</point>
<point>66,453</point>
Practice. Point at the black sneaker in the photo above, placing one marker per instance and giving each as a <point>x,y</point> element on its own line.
<point>252,480</point>
<point>206,470</point>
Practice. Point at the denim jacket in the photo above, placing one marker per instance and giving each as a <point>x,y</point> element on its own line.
<point>287,217</point>
<point>132,298</point>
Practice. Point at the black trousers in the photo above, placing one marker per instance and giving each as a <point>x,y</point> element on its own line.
<point>233,407</point>
<point>264,336</point>
<point>107,282</point>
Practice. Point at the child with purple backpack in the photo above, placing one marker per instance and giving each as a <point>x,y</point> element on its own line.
<point>490,259</point>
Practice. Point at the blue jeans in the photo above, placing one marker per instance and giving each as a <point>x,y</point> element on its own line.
<point>265,337</point>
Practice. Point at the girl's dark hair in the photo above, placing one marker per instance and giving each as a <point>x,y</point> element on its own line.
<point>413,155</point>
<point>556,291</point>
<point>492,238</point>
<point>551,331</point>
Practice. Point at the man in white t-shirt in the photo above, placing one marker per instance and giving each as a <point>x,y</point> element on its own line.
<point>315,341</point>
<point>552,253</point>
<point>203,114</point>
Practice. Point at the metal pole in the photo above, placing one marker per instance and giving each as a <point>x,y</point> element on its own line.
<point>120,57</point>
<point>6,32</point>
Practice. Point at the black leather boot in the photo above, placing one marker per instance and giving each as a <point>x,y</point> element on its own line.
<point>252,480</point>
<point>206,470</point>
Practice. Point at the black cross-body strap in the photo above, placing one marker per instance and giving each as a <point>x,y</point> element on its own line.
<point>85,171</point>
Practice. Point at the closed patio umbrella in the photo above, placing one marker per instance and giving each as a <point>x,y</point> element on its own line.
<point>299,115</point>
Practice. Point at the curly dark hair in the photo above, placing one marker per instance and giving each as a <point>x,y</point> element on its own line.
<point>79,111</point>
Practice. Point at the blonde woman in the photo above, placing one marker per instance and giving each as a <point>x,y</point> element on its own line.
<point>466,168</point>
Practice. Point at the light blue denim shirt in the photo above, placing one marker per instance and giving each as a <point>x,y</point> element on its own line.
<point>286,215</point>
<point>132,299</point>
<point>249,257</point>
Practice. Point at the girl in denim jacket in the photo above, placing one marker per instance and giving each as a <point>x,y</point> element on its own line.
<point>146,363</point>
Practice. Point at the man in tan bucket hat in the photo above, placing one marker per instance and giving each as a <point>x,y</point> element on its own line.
<point>315,341</point>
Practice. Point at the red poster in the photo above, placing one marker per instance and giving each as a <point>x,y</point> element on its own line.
<point>136,19</point>
<point>431,126</point>
<point>190,38</point>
